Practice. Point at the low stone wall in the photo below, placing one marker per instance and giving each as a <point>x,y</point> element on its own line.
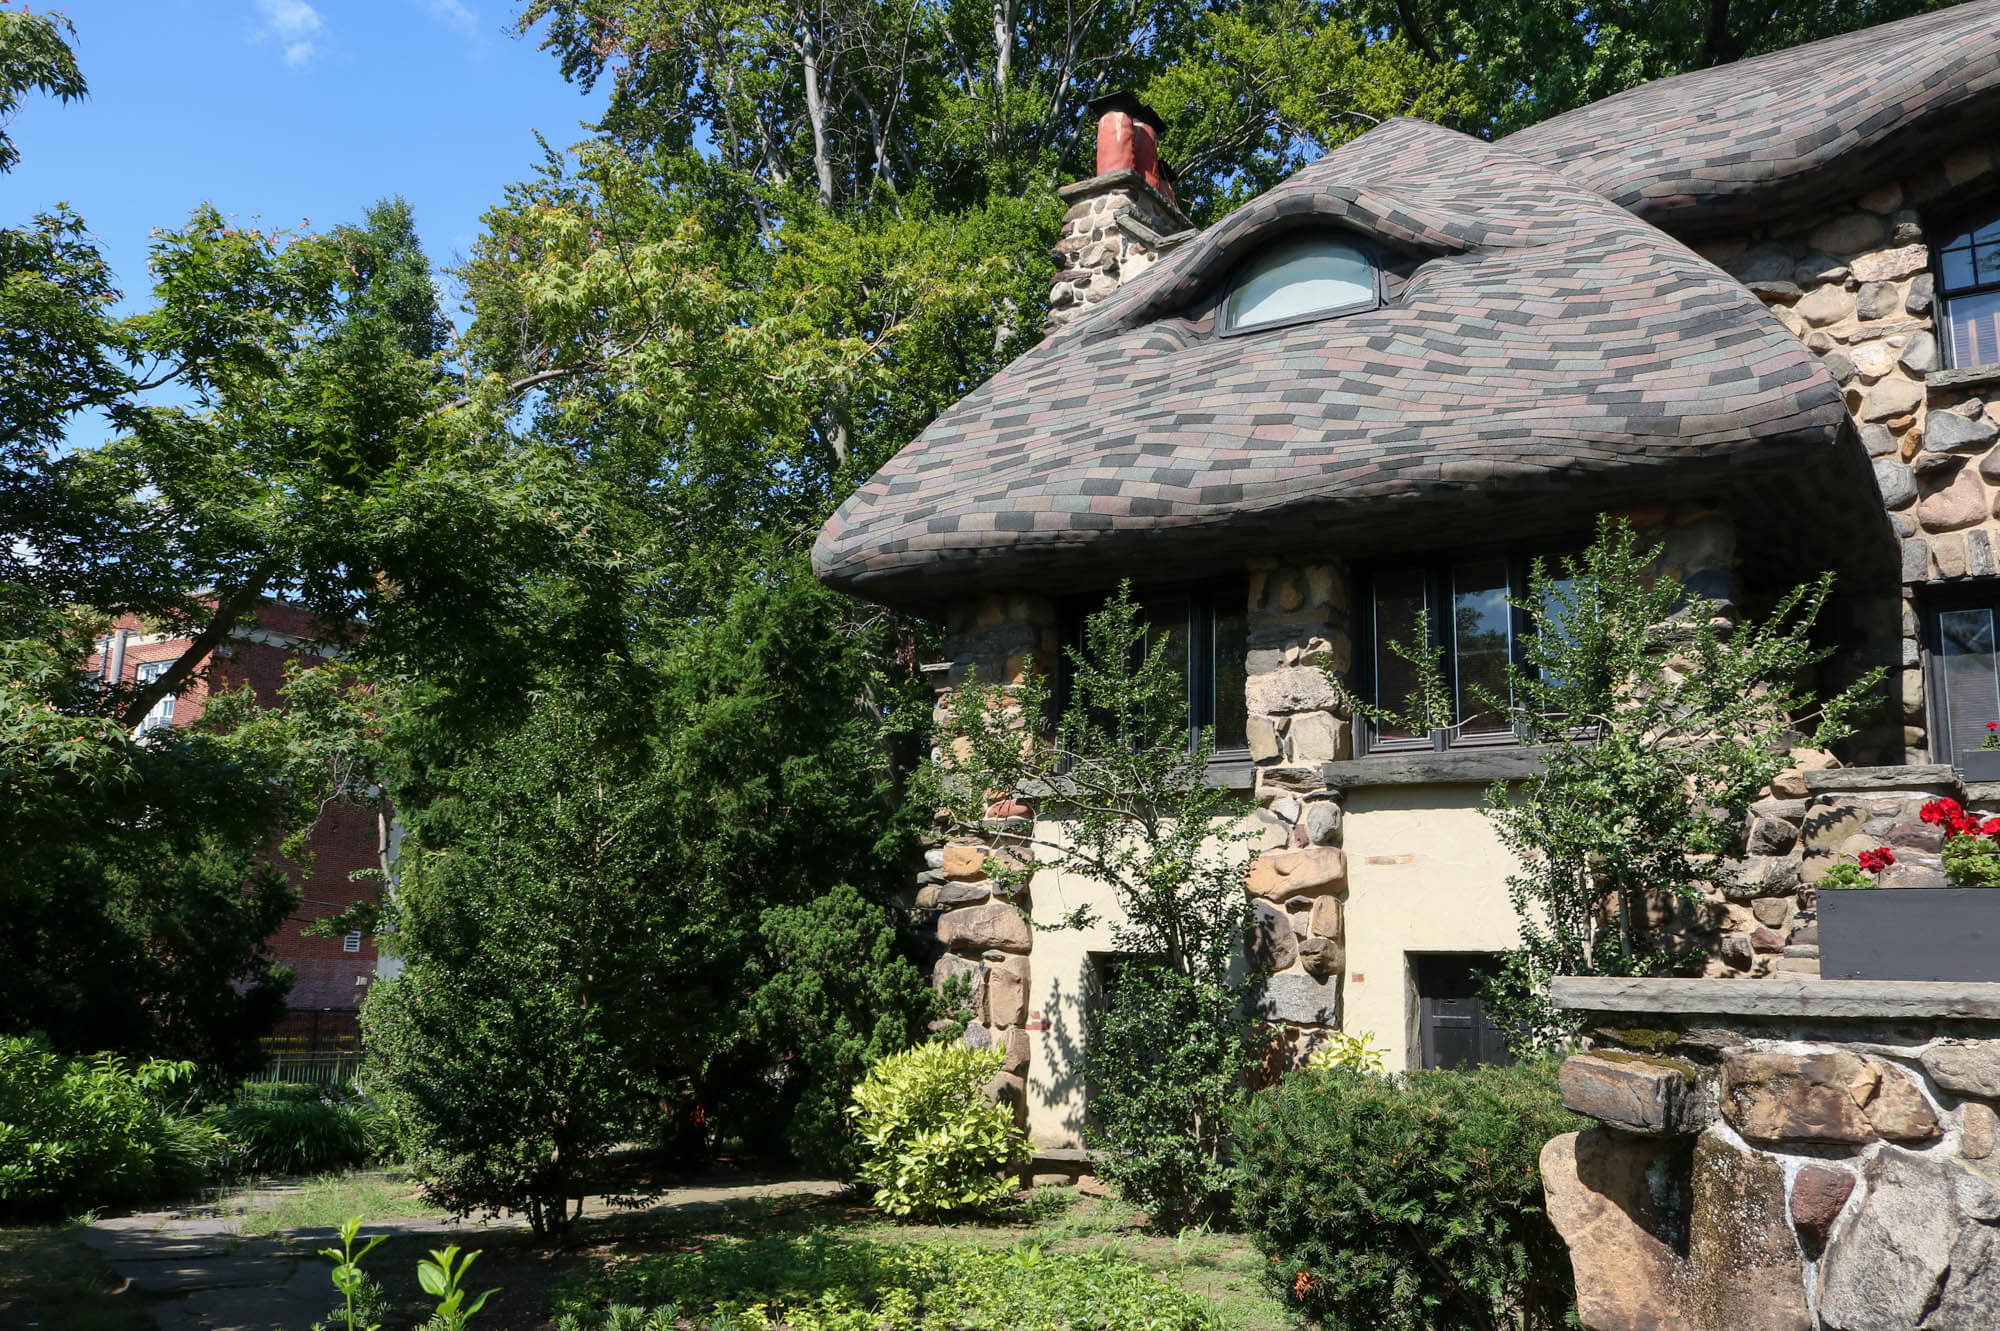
<point>1783,1156</point>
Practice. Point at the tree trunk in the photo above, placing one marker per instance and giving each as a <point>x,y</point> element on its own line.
<point>816,112</point>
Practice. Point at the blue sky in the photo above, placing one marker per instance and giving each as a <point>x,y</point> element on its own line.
<point>287,110</point>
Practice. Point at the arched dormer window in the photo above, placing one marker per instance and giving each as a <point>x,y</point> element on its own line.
<point>1303,277</point>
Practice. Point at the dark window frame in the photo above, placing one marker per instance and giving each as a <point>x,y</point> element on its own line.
<point>1368,248</point>
<point>1437,569</point>
<point>1932,603</point>
<point>1203,599</point>
<point>1965,220</point>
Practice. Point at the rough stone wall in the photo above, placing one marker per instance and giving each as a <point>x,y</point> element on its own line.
<point>1856,287</point>
<point>1117,226</point>
<point>1787,1175</point>
<point>1816,815</point>
<point>981,933</point>
<point>1299,637</point>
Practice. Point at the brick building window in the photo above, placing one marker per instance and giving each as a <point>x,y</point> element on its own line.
<point>1969,294</point>
<point>162,715</point>
<point>352,942</point>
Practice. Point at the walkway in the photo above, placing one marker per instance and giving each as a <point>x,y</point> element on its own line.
<point>201,1274</point>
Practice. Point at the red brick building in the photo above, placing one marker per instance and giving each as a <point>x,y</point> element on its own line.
<point>330,975</point>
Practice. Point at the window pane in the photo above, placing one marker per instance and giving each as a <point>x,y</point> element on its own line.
<point>1974,326</point>
<point>1399,597</point>
<point>1955,267</point>
<point>1301,278</point>
<point>1232,654</point>
<point>1482,627</point>
<point>1971,688</point>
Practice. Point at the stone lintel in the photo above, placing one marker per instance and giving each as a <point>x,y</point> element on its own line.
<point>1454,767</point>
<point>1136,227</point>
<point>1131,182</point>
<point>1972,376</point>
<point>1916,776</point>
<point>1863,1000</point>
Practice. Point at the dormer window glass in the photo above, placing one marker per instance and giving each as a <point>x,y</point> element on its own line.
<point>1306,277</point>
<point>1969,294</point>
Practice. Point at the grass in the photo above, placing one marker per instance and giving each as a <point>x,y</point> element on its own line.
<point>324,1201</point>
<point>50,1279</point>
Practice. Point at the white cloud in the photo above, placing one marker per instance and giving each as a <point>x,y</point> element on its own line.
<point>294,25</point>
<point>454,14</point>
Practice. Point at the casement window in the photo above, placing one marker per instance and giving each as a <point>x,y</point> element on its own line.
<point>1968,286</point>
<point>1962,641</point>
<point>162,715</point>
<point>1206,631</point>
<point>1476,632</point>
<point>1300,279</point>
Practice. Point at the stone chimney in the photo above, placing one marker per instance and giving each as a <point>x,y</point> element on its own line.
<point>1121,219</point>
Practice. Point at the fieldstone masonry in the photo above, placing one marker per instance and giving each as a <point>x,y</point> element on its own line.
<point>1856,287</point>
<point>1782,1157</point>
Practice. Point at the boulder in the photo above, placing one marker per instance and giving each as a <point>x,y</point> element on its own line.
<point>962,861</point>
<point>1271,944</point>
<point>1918,1250</point>
<point>1279,874</point>
<point>950,967</point>
<point>1290,689</point>
<point>1322,957</point>
<point>1322,821</point>
<point>1325,919</point>
<point>1896,1109</point>
<point>1017,1052</point>
<point>1632,1094</point>
<point>1950,432</point>
<point>1298,999</point>
<point>1818,1194</point>
<point>1971,1068</point>
<point>1978,1126</point>
<point>1772,836</point>
<point>992,925</point>
<point>1007,992</point>
<point>1318,737</point>
<point>1743,1267</point>
<point>1601,1198</point>
<point>1950,506</point>
<point>1779,1097</point>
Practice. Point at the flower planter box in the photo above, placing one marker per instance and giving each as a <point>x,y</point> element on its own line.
<point>1910,933</point>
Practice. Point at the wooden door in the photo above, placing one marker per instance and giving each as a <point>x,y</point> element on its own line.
<point>1451,1016</point>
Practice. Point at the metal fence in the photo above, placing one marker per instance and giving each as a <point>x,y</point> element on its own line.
<point>312,1069</point>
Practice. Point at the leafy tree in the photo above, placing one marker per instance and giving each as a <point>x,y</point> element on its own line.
<point>133,903</point>
<point>519,1042</point>
<point>35,56</point>
<point>1659,724</point>
<point>1528,60</point>
<point>1169,1046</point>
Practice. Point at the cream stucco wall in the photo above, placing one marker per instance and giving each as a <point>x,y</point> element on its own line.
<point>1061,977</point>
<point>1425,873</point>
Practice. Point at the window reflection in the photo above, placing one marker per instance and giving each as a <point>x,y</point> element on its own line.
<point>1482,645</point>
<point>1971,683</point>
<point>1399,598</point>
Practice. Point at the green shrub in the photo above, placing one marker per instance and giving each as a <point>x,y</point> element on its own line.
<point>78,1133</point>
<point>931,1139</point>
<point>1407,1203</point>
<point>817,1282</point>
<point>282,1129</point>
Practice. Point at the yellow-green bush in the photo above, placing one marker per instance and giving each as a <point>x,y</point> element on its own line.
<point>931,1139</point>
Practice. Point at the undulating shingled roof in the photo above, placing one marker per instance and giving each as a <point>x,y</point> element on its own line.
<point>1543,334</point>
<point>1743,142</point>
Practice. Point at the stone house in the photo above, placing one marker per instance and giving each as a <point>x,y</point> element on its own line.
<point>1755,310</point>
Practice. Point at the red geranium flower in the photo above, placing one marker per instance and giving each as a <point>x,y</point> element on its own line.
<point>1941,811</point>
<point>1875,861</point>
<point>1991,827</point>
<point>1993,725</point>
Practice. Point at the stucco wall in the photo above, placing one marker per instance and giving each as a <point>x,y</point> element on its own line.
<point>1425,873</point>
<point>1060,983</point>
